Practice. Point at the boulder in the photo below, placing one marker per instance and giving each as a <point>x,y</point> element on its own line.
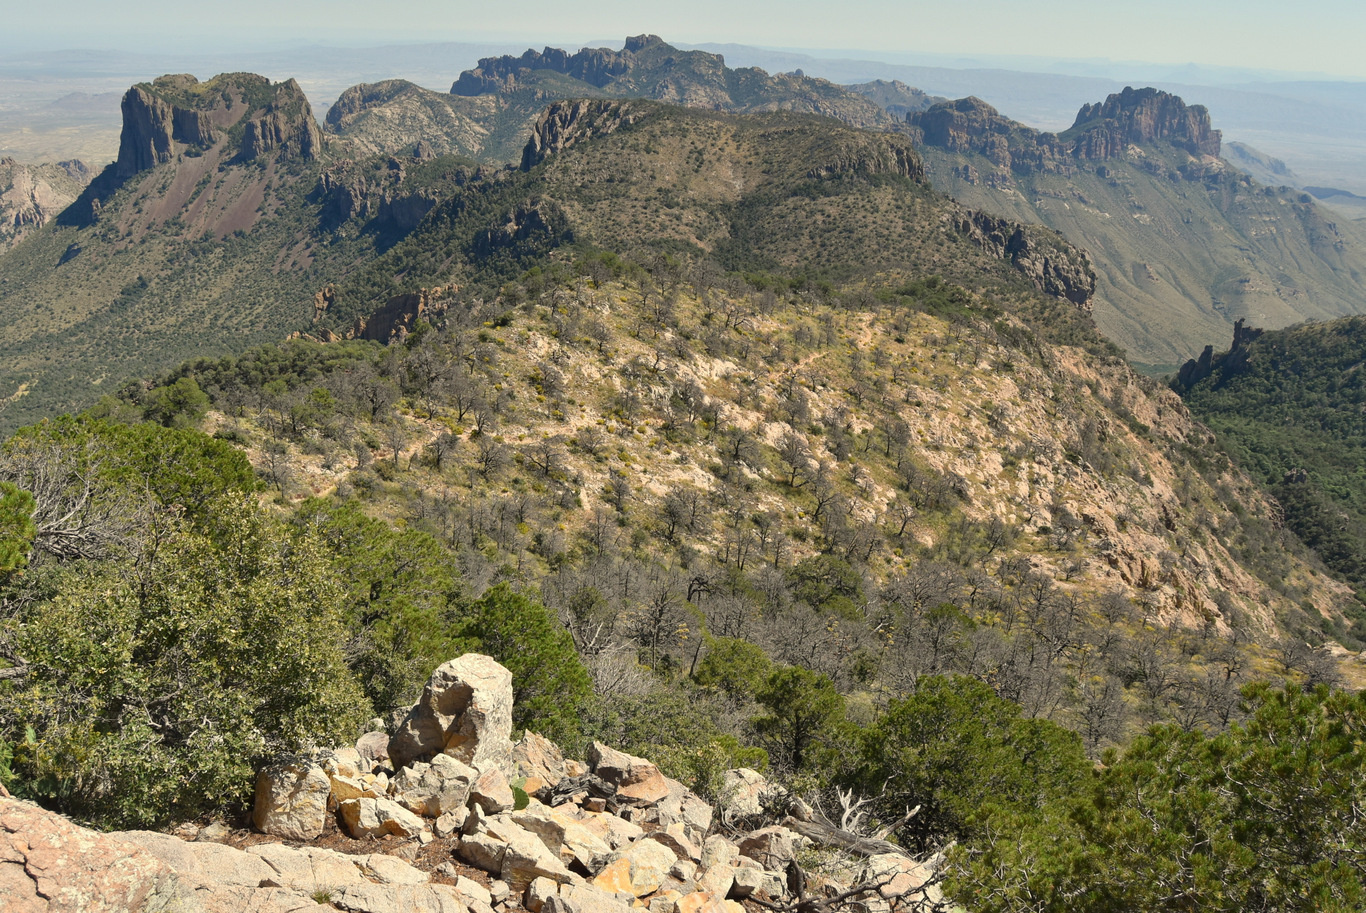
<point>745,882</point>
<point>387,898</point>
<point>434,789</point>
<point>373,747</point>
<point>681,807</point>
<point>539,760</point>
<point>903,881</point>
<point>526,856</point>
<point>701,902</point>
<point>771,847</point>
<point>637,781</point>
<point>586,898</point>
<point>483,852</point>
<point>741,791</point>
<point>675,838</point>
<point>465,711</point>
<point>491,792</point>
<point>638,870</point>
<point>564,835</point>
<point>538,892</point>
<point>291,799</point>
<point>49,864</point>
<point>377,817</point>
<point>203,863</point>
<point>717,850</point>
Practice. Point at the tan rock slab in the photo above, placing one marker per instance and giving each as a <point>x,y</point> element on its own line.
<point>49,864</point>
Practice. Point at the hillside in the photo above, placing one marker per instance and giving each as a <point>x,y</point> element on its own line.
<point>1288,404</point>
<point>1184,245</point>
<point>491,109</point>
<point>759,193</point>
<point>207,234</point>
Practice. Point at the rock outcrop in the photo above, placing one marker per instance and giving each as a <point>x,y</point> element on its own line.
<point>1142,116</point>
<point>32,195</point>
<point>50,865</point>
<point>1104,130</point>
<point>617,838</point>
<point>565,123</point>
<point>1197,369</point>
<point>1054,267</point>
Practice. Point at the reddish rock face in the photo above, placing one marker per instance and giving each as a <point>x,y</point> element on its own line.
<point>48,864</point>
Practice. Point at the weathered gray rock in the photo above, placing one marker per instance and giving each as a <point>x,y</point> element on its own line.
<point>565,835</point>
<point>637,781</point>
<point>203,863</point>
<point>745,882</point>
<point>389,898</point>
<point>904,881</point>
<point>538,892</point>
<point>291,799</point>
<point>681,806</point>
<point>526,857</point>
<point>717,850</point>
<point>491,792</point>
<point>483,852</point>
<point>586,898</point>
<point>465,712</point>
<point>373,747</point>
<point>637,870</point>
<point>49,864</point>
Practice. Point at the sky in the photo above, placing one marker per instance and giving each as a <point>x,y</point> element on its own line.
<point>1318,37</point>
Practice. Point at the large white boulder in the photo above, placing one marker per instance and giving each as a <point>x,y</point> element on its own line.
<point>465,712</point>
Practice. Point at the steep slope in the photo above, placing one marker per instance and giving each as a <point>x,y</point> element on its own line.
<point>491,108</point>
<point>33,195</point>
<point>1184,244</point>
<point>1290,405</point>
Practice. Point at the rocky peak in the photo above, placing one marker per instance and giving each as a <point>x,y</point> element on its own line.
<point>177,113</point>
<point>1142,116</point>
<point>595,66</point>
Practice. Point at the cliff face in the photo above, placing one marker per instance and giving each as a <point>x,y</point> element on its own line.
<point>1054,267</point>
<point>30,195</point>
<point>178,114</point>
<point>567,122</point>
<point>1102,131</point>
<point>1142,116</point>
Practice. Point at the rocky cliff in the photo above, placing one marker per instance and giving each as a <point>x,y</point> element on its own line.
<point>1105,129</point>
<point>567,122</point>
<point>1051,265</point>
<point>1102,131</point>
<point>232,118</point>
<point>31,195</point>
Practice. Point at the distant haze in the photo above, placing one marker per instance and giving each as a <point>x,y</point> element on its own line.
<point>1323,38</point>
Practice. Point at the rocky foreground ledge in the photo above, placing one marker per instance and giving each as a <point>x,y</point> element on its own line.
<point>519,826</point>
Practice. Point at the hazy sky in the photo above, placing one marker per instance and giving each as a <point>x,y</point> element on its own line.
<point>1319,36</point>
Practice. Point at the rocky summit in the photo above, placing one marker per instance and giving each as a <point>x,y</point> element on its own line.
<point>479,825</point>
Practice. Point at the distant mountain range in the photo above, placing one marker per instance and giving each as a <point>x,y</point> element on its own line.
<point>230,218</point>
